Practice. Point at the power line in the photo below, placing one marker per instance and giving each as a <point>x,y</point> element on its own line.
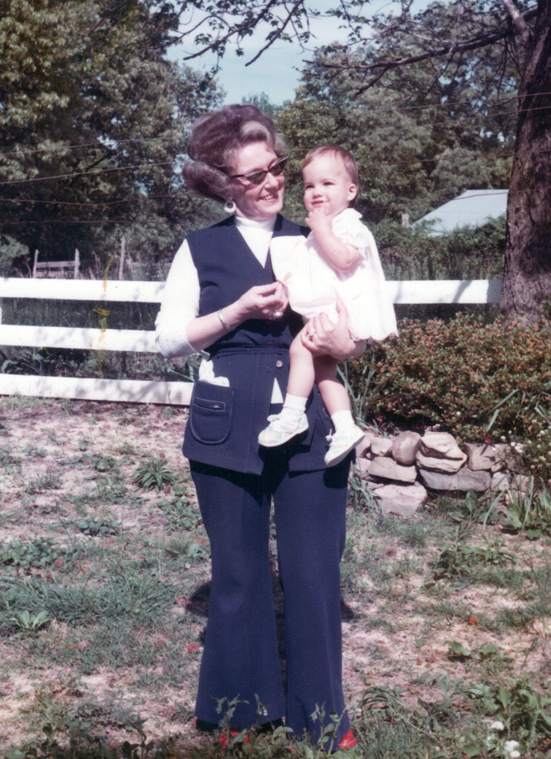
<point>77,146</point>
<point>85,205</point>
<point>86,173</point>
<point>392,207</point>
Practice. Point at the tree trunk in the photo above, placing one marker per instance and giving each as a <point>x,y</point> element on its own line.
<point>526,293</point>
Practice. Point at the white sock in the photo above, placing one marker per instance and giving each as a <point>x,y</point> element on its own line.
<point>294,405</point>
<point>342,419</point>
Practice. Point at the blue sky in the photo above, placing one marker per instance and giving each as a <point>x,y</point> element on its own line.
<point>277,71</point>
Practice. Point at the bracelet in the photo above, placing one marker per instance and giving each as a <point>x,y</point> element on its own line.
<point>223,322</point>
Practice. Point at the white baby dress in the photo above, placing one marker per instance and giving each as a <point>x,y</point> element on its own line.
<point>314,286</point>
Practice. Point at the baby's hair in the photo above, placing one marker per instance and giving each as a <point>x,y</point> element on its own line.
<point>344,155</point>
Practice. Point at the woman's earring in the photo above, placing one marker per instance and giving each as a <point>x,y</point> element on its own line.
<point>229,206</point>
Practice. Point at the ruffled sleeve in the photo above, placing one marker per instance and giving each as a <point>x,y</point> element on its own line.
<point>348,228</point>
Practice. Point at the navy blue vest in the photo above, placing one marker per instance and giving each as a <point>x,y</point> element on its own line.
<point>224,422</point>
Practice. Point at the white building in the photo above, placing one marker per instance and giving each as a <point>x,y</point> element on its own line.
<point>473,208</point>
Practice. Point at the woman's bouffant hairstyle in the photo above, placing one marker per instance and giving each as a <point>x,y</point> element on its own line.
<point>348,161</point>
<point>215,140</point>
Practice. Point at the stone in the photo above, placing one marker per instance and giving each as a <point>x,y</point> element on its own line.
<point>364,446</point>
<point>387,469</point>
<point>481,456</point>
<point>362,465</point>
<point>439,464</point>
<point>501,451</point>
<point>381,446</point>
<point>463,480</point>
<point>440,445</point>
<point>401,499</point>
<point>404,447</point>
<point>500,482</point>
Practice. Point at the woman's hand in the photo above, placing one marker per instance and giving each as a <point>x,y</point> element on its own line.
<point>261,302</point>
<point>326,338</point>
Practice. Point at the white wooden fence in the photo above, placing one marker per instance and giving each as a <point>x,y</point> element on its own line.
<point>142,341</point>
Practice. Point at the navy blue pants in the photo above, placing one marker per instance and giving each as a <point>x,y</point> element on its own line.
<point>240,658</point>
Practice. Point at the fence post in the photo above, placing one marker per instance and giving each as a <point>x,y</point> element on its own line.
<point>35,262</point>
<point>77,264</point>
<point>123,254</point>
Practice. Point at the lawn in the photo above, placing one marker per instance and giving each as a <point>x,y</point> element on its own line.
<point>104,572</point>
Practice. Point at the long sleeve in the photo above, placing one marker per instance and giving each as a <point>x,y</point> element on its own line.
<point>179,306</point>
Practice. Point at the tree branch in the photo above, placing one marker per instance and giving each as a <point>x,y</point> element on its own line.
<point>278,34</point>
<point>519,21</point>
<point>474,43</point>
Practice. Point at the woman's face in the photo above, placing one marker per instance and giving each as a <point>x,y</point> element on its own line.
<point>256,201</point>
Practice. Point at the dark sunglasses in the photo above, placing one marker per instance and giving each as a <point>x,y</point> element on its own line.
<point>257,177</point>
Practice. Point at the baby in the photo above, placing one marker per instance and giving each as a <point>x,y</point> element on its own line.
<point>338,261</point>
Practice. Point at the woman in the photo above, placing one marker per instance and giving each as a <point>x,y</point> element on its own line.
<point>221,297</point>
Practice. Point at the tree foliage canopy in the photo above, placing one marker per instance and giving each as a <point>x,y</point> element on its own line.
<point>92,121</point>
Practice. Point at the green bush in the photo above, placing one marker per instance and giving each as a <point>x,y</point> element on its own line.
<point>465,253</point>
<point>468,376</point>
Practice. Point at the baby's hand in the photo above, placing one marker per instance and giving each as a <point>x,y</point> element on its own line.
<point>317,218</point>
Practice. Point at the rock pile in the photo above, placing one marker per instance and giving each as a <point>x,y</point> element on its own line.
<point>401,470</point>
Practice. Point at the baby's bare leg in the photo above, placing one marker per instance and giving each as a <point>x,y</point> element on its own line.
<point>332,391</point>
<point>301,372</point>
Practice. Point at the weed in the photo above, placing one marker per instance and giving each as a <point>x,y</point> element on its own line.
<point>462,560</point>
<point>414,535</point>
<point>33,553</point>
<point>104,463</point>
<point>33,452</point>
<point>187,549</point>
<point>127,449</point>
<point>487,652</point>
<point>523,711</point>
<point>360,496</point>
<point>28,623</point>
<point>180,512</point>
<point>154,474</point>
<point>108,489</point>
<point>94,526</point>
<point>9,464</point>
<point>42,483</point>
<point>530,512</point>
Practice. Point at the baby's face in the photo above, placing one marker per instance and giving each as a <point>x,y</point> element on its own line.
<point>327,185</point>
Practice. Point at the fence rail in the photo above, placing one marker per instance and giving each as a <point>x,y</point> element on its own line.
<point>416,292</point>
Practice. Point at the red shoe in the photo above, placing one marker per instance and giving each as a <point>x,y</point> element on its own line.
<point>223,738</point>
<point>348,741</point>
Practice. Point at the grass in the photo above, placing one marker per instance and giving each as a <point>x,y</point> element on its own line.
<point>104,595</point>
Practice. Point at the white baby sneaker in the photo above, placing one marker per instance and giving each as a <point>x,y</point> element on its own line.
<point>281,429</point>
<point>342,442</point>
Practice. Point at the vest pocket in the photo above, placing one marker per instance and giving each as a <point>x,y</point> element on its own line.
<point>210,414</point>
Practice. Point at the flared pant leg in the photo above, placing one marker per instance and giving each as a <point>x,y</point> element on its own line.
<point>240,658</point>
<point>310,511</point>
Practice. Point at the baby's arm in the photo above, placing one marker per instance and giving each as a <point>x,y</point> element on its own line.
<point>338,254</point>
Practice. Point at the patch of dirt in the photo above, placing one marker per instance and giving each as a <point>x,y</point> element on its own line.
<point>63,461</point>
